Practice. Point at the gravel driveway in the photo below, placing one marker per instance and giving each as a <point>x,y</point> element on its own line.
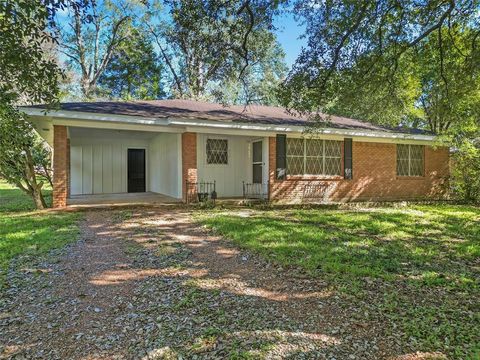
<point>149,283</point>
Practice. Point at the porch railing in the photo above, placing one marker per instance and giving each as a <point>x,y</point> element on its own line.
<point>256,191</point>
<point>200,191</point>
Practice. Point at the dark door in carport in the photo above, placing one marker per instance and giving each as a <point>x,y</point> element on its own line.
<point>136,170</point>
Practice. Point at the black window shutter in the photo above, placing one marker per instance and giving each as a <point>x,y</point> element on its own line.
<point>281,156</point>
<point>347,159</point>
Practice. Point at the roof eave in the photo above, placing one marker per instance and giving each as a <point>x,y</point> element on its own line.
<point>191,123</point>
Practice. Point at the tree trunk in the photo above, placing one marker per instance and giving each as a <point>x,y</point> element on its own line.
<point>38,199</point>
<point>31,181</point>
<point>86,88</point>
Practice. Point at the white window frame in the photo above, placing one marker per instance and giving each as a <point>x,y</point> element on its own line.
<point>206,151</point>
<point>305,157</point>
<point>410,160</point>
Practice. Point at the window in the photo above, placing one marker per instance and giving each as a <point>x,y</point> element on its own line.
<point>314,157</point>
<point>217,151</point>
<point>410,160</point>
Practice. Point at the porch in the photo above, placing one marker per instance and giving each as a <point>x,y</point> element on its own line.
<point>146,198</point>
<point>107,166</point>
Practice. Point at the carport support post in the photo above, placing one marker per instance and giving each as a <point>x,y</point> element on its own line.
<point>60,168</point>
<point>189,161</point>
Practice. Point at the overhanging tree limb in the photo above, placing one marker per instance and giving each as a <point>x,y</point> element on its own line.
<point>176,78</point>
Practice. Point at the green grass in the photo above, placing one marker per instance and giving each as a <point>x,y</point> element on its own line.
<point>13,199</point>
<point>428,244</point>
<point>428,253</point>
<point>25,231</point>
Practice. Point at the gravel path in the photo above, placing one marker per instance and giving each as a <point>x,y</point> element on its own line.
<point>149,283</point>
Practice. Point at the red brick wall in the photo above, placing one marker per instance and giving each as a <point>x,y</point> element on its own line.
<point>60,166</point>
<point>374,177</point>
<point>189,160</point>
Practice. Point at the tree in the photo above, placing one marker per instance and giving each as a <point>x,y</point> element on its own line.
<point>373,37</point>
<point>466,169</point>
<point>204,44</point>
<point>21,154</point>
<point>42,158</point>
<point>91,36</point>
<point>27,74</point>
<point>260,79</point>
<point>134,71</point>
<point>24,68</point>
<point>431,90</point>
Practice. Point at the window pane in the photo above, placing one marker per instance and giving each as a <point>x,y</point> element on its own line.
<point>410,160</point>
<point>402,151</point>
<point>295,165</point>
<point>314,147</point>
<point>295,156</point>
<point>217,151</point>
<point>333,148</point>
<point>294,147</point>
<point>416,152</point>
<point>314,166</point>
<point>333,166</point>
<point>314,156</point>
<point>416,167</point>
<point>257,173</point>
<point>257,151</point>
<point>333,157</point>
<point>402,167</point>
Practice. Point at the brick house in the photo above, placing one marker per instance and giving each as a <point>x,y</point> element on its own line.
<point>178,148</point>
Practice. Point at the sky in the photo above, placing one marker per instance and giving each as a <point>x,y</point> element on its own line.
<point>288,33</point>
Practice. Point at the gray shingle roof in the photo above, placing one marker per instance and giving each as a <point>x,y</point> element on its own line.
<point>188,109</point>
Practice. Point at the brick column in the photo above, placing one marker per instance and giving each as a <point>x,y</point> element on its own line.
<point>189,160</point>
<point>60,170</point>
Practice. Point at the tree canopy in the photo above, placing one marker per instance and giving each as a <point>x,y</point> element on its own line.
<point>210,50</point>
<point>386,60</point>
<point>24,67</point>
<point>134,71</point>
<point>90,36</point>
<point>204,44</point>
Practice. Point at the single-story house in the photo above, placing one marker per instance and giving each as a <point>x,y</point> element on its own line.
<point>181,147</point>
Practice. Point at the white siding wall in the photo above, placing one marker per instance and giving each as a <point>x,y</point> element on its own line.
<point>99,166</point>
<point>165,164</point>
<point>228,177</point>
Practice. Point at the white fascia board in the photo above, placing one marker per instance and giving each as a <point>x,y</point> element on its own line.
<point>95,116</point>
<point>102,121</point>
<point>271,130</point>
<point>208,126</point>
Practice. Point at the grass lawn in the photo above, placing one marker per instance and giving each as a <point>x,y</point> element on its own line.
<point>417,267</point>
<point>25,231</point>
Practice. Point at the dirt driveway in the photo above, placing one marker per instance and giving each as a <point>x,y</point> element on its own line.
<point>150,283</point>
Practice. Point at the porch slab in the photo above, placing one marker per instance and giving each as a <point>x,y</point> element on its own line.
<point>146,198</point>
